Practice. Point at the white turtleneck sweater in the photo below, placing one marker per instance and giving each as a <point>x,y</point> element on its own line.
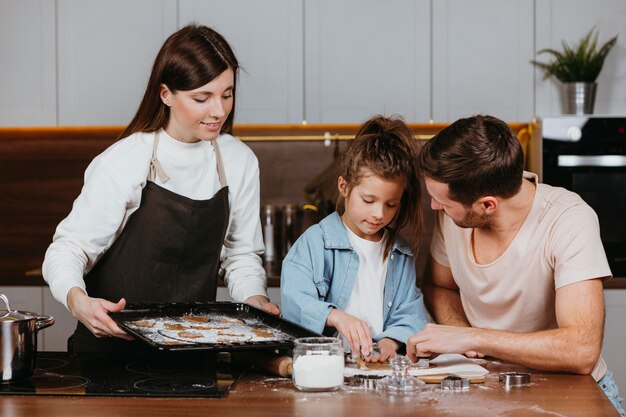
<point>112,192</point>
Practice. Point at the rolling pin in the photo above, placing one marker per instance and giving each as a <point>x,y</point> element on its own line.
<point>276,364</point>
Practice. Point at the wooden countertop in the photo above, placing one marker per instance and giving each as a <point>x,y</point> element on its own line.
<point>258,395</point>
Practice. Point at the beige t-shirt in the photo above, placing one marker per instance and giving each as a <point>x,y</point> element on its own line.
<point>558,244</point>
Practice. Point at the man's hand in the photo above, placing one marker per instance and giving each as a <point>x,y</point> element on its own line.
<point>474,354</point>
<point>263,303</point>
<point>356,331</point>
<point>435,338</point>
<point>94,313</point>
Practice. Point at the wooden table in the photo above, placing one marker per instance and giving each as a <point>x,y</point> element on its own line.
<point>550,394</point>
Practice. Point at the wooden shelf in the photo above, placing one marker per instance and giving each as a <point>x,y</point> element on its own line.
<point>244,132</point>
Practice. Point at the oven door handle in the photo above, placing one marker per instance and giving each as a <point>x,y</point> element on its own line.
<point>591,161</point>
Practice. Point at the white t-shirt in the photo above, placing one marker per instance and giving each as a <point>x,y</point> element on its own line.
<point>366,300</point>
<point>112,191</point>
<point>558,244</point>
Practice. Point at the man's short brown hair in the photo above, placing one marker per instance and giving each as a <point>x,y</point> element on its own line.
<point>475,156</point>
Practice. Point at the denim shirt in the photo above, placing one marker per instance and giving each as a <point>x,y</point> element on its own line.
<point>319,274</point>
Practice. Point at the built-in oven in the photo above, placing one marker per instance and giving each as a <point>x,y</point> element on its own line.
<point>587,155</point>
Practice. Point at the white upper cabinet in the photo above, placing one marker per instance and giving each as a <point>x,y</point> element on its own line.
<point>87,62</point>
<point>481,53</point>
<point>105,54</point>
<point>366,57</point>
<point>565,20</point>
<point>27,63</point>
<point>266,37</point>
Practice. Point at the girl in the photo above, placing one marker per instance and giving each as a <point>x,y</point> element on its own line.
<point>352,273</point>
<point>169,205</point>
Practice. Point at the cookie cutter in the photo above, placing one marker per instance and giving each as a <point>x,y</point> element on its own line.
<point>363,381</point>
<point>514,379</point>
<point>374,351</point>
<point>455,383</point>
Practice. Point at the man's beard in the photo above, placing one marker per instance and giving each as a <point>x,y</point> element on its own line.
<point>472,220</point>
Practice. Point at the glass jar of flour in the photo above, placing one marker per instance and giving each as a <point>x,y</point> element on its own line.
<point>318,364</point>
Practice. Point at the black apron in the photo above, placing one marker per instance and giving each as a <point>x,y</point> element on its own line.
<point>169,251</point>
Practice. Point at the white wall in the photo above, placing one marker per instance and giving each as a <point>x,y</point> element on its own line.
<point>86,62</point>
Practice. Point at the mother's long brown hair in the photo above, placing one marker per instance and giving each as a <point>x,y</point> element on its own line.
<point>386,147</point>
<point>189,59</point>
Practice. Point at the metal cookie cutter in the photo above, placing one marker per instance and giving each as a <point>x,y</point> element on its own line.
<point>362,381</point>
<point>455,383</point>
<point>514,379</point>
<point>374,352</point>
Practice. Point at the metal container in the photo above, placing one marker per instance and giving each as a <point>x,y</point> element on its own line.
<point>580,98</point>
<point>18,341</point>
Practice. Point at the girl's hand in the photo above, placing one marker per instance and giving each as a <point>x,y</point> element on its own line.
<point>356,331</point>
<point>94,313</point>
<point>388,348</point>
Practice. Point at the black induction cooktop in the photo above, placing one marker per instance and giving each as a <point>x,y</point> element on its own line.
<point>158,374</point>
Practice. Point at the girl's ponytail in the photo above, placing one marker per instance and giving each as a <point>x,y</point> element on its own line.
<point>385,146</point>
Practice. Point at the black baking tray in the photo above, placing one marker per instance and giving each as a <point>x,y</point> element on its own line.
<point>175,311</point>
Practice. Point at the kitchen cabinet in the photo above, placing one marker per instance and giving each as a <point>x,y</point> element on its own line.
<point>366,57</point>
<point>86,62</point>
<point>614,348</point>
<point>267,39</point>
<point>566,20</point>
<point>105,51</point>
<point>324,61</point>
<point>480,59</point>
<point>28,71</point>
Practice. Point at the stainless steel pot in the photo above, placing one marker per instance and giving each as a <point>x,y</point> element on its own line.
<point>18,341</point>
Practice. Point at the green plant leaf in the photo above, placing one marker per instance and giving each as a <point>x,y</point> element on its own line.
<point>580,64</point>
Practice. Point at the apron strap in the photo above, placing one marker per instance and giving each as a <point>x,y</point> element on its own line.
<point>220,165</point>
<point>155,165</point>
<point>157,169</point>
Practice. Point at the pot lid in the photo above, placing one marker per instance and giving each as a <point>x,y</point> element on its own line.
<point>14,315</point>
<point>9,315</point>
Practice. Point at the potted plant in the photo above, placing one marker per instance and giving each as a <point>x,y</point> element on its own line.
<point>578,68</point>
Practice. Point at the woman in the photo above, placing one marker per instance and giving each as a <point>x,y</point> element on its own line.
<point>164,206</point>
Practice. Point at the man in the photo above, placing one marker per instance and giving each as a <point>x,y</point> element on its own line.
<point>516,267</point>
